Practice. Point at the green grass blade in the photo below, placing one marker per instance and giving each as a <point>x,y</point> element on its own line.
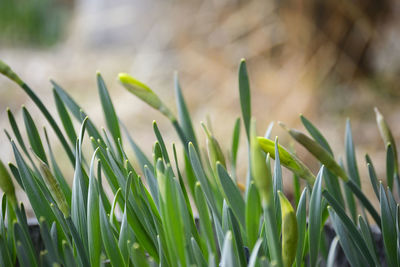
<point>51,247</point>
<point>235,142</point>
<point>253,215</point>
<point>368,238</point>
<point>228,257</point>
<point>372,175</point>
<point>245,98</point>
<point>348,246</point>
<point>93,219</point>
<point>25,250</point>
<point>364,201</point>
<point>199,257</point>
<point>315,219</point>
<point>33,135</point>
<point>301,227</point>
<point>108,109</point>
<point>351,155</point>
<point>7,71</point>
<point>16,131</point>
<point>204,217</point>
<point>5,257</point>
<point>65,118</point>
<point>201,177</point>
<point>316,134</point>
<point>388,229</point>
<point>35,195</point>
<point>232,193</point>
<point>138,256</point>
<point>184,115</point>
<point>161,142</point>
<point>330,262</point>
<point>390,165</point>
<point>109,241</point>
<point>349,225</point>
<point>76,110</point>
<point>254,254</point>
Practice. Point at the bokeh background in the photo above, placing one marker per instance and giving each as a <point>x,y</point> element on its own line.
<point>326,59</point>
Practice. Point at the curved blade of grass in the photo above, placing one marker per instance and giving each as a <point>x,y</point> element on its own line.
<point>35,195</point>
<point>388,229</point>
<point>200,261</point>
<point>76,110</point>
<point>33,135</point>
<point>372,175</point>
<point>364,201</point>
<point>16,131</point>
<point>253,212</point>
<point>25,250</point>
<point>232,193</point>
<point>93,219</point>
<point>204,217</point>
<point>235,142</point>
<point>8,72</point>
<point>5,257</point>
<point>367,235</point>
<point>316,134</point>
<point>351,155</point>
<point>109,241</point>
<point>390,165</point>
<point>349,226</point>
<point>161,142</point>
<point>228,257</point>
<point>330,262</point>
<point>108,109</point>
<point>347,244</point>
<point>138,256</point>
<point>245,98</point>
<point>65,118</point>
<point>315,219</point>
<point>50,246</point>
<point>184,115</point>
<point>201,177</point>
<point>254,253</point>
<point>301,227</point>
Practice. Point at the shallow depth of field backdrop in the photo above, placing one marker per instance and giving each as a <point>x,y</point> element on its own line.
<point>326,59</point>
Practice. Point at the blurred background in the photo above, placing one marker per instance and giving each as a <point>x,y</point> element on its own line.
<point>326,59</point>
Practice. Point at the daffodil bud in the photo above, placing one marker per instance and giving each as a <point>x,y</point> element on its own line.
<point>8,72</point>
<point>287,159</point>
<point>387,136</point>
<point>260,170</point>
<point>54,187</point>
<point>143,92</point>
<point>214,150</point>
<point>289,231</point>
<point>318,151</point>
<point>6,183</point>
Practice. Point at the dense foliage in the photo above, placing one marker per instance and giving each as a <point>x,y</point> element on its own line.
<point>191,214</point>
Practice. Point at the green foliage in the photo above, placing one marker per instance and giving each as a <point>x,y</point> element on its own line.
<point>149,219</point>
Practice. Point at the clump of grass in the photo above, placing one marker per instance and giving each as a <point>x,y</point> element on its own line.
<point>252,225</point>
